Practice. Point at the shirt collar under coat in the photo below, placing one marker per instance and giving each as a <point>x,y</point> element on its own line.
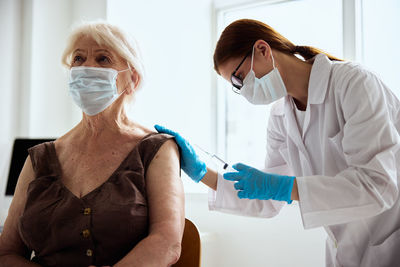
<point>318,83</point>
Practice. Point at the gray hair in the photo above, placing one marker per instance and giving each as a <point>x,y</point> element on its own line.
<point>109,35</point>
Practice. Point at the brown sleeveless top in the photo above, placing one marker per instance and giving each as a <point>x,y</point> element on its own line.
<point>98,229</point>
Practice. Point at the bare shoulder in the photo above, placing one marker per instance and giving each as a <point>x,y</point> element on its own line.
<point>167,151</point>
<point>169,146</point>
<point>166,157</point>
<point>26,176</point>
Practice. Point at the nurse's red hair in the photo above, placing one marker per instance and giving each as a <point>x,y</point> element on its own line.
<point>239,37</point>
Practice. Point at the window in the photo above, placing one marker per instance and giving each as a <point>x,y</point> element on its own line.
<point>381,37</point>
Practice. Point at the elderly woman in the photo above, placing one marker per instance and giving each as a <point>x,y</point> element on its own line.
<point>108,192</point>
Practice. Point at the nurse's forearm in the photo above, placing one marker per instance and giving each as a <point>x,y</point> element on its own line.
<point>295,192</point>
<point>210,179</point>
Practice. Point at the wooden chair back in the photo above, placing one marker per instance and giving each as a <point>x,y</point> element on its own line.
<point>191,247</point>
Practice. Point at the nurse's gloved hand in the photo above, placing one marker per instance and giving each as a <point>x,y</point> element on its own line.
<point>190,161</point>
<point>254,184</point>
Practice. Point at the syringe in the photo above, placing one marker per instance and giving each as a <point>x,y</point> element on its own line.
<point>215,157</point>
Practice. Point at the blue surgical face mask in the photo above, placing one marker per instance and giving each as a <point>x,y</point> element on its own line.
<point>93,89</point>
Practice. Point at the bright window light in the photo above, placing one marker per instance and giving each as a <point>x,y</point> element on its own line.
<point>381,37</point>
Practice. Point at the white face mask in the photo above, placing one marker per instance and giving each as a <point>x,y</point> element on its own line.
<point>93,89</point>
<point>265,90</point>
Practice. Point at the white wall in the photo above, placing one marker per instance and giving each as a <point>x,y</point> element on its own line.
<point>49,106</point>
<point>10,21</point>
<point>10,30</point>
<point>381,37</point>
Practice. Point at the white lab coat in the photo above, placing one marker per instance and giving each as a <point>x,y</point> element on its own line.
<point>346,161</point>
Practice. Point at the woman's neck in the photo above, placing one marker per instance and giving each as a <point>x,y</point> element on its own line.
<point>106,124</point>
<point>296,75</point>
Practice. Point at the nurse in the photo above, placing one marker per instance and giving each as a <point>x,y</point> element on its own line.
<point>332,145</point>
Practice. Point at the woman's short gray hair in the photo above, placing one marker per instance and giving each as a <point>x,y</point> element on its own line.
<point>111,36</point>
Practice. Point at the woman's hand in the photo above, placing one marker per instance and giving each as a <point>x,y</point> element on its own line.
<point>191,163</point>
<point>254,184</point>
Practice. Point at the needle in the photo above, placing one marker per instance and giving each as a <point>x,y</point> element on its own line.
<point>225,165</point>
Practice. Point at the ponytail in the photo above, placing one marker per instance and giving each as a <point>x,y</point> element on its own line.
<point>308,52</point>
<point>238,38</point>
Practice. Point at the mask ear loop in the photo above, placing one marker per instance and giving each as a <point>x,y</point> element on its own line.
<point>252,58</point>
<point>129,68</point>
<point>118,72</point>
<point>124,70</point>
<point>273,61</point>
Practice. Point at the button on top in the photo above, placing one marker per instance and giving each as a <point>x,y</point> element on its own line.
<point>87,211</point>
<point>89,253</point>
<point>86,233</point>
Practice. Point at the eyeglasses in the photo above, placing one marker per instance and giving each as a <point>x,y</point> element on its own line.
<point>237,82</point>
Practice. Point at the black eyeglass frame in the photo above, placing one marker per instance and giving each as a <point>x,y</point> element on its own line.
<point>239,81</point>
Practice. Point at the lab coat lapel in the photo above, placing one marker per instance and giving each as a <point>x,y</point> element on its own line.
<point>294,133</point>
<point>317,86</point>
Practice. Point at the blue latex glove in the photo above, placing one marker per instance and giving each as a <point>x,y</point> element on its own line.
<point>190,161</point>
<point>254,184</point>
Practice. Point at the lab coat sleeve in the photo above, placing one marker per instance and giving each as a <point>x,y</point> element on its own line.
<point>225,199</point>
<point>370,142</point>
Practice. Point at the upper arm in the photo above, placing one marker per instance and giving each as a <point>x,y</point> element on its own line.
<point>367,121</point>
<point>10,240</point>
<point>165,193</point>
